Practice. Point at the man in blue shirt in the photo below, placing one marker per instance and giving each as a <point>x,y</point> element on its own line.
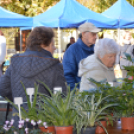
<point>78,51</point>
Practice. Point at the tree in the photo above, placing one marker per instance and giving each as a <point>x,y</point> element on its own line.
<point>28,7</point>
<point>100,5</point>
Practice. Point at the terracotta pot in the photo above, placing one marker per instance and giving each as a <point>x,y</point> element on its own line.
<point>127,123</point>
<point>108,121</point>
<point>88,130</point>
<point>50,129</point>
<point>99,129</point>
<point>64,130</point>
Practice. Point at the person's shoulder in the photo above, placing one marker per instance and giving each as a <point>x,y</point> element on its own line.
<point>68,44</point>
<point>58,66</point>
<point>90,59</point>
<point>90,62</point>
<point>73,47</point>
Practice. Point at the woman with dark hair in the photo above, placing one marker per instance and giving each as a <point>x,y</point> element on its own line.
<point>36,63</point>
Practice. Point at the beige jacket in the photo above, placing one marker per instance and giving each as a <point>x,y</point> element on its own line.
<point>92,67</point>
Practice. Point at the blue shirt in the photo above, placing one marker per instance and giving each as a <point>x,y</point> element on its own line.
<point>74,54</point>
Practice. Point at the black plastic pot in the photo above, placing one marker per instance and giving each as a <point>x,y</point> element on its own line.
<point>88,130</point>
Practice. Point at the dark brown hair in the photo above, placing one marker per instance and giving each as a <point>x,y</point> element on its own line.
<point>39,35</point>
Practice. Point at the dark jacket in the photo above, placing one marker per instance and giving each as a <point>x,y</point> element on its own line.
<point>29,67</point>
<point>68,45</point>
<point>74,54</point>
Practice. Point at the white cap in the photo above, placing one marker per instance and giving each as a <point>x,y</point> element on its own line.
<point>89,27</point>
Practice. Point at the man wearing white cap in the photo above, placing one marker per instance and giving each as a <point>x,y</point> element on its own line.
<point>78,51</point>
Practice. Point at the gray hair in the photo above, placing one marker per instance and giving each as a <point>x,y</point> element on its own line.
<point>105,46</point>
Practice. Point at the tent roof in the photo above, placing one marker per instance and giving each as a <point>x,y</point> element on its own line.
<point>70,13</point>
<point>123,11</point>
<point>10,19</point>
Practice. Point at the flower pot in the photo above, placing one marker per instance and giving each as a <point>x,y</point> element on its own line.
<point>88,130</point>
<point>50,129</point>
<point>99,129</point>
<point>127,123</point>
<point>108,121</point>
<point>64,130</point>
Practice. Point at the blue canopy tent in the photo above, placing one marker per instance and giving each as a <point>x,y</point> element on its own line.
<point>70,13</point>
<point>123,11</point>
<point>10,19</point>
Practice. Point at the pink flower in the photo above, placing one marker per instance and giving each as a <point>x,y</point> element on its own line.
<point>26,130</point>
<point>11,123</point>
<point>27,119</point>
<point>9,126</point>
<point>33,122</point>
<point>5,125</point>
<point>20,126</point>
<point>6,128</point>
<point>39,122</point>
<point>45,124</point>
<point>21,122</point>
<point>7,122</point>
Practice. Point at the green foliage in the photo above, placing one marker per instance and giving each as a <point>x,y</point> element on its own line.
<point>21,131</point>
<point>100,5</point>
<point>90,110</point>
<point>58,109</point>
<point>35,7</point>
<point>28,7</point>
<point>31,112</point>
<point>123,94</point>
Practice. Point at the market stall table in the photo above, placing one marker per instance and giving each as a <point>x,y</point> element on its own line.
<point>116,129</point>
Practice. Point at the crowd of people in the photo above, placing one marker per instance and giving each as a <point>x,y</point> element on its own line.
<point>86,58</point>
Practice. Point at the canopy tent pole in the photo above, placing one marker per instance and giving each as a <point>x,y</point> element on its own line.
<point>76,34</point>
<point>59,43</point>
<point>20,40</point>
<point>119,36</point>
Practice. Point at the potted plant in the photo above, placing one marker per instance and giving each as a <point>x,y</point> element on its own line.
<point>45,125</point>
<point>58,109</point>
<point>125,97</point>
<point>91,111</point>
<point>30,116</point>
<point>108,89</point>
<point>30,112</point>
<point>8,128</point>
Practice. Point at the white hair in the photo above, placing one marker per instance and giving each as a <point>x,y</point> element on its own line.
<point>105,46</point>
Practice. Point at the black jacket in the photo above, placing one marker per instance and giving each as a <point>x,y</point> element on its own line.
<point>29,67</point>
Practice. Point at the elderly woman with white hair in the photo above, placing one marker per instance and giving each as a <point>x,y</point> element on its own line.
<point>99,66</point>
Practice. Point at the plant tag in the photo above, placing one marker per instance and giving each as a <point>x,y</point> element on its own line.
<point>111,84</point>
<point>30,91</point>
<point>18,100</point>
<point>57,89</point>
